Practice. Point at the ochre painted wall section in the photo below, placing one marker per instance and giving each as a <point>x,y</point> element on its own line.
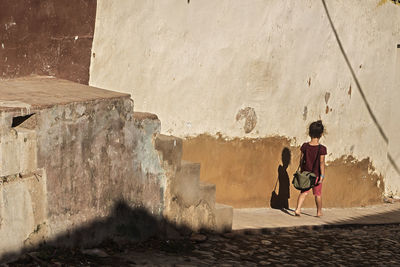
<point>46,37</point>
<point>246,171</point>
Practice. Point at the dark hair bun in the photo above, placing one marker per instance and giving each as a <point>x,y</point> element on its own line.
<point>316,129</point>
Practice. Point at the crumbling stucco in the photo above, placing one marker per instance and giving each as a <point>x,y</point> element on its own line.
<point>207,60</point>
<point>245,172</point>
<point>71,162</point>
<point>79,166</point>
<point>250,118</point>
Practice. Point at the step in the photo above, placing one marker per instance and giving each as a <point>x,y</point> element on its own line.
<point>185,185</point>
<point>171,149</point>
<point>18,151</point>
<point>223,218</point>
<point>207,193</point>
<point>23,210</point>
<point>140,116</point>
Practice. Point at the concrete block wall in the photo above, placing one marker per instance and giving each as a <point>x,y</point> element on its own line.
<point>23,192</point>
<point>18,152</point>
<point>72,164</point>
<point>77,171</point>
<point>95,155</point>
<point>23,211</point>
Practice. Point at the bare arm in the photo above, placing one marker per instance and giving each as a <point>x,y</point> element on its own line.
<point>322,165</point>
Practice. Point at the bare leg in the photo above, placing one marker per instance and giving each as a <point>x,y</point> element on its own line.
<point>300,200</point>
<point>318,202</point>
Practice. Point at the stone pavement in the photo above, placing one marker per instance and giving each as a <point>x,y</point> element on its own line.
<point>346,242</point>
<point>376,245</point>
<point>265,218</point>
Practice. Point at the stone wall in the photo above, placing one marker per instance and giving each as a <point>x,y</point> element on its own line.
<point>90,152</point>
<point>240,81</point>
<point>79,166</point>
<point>75,168</point>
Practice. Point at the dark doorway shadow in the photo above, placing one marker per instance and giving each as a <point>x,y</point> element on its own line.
<point>280,200</point>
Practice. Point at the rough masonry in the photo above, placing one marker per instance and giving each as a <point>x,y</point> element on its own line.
<point>79,166</point>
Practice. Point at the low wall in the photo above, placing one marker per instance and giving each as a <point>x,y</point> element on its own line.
<point>77,167</point>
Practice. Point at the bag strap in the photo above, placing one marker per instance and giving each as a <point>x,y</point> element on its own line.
<point>298,168</point>
<point>316,159</point>
<point>301,161</point>
<point>277,179</point>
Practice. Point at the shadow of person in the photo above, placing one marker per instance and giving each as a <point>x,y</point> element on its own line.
<point>281,200</point>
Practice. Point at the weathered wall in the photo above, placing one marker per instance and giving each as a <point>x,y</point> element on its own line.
<point>23,198</point>
<point>259,69</point>
<point>245,172</point>
<point>89,151</point>
<point>78,166</point>
<point>46,37</point>
<point>72,163</point>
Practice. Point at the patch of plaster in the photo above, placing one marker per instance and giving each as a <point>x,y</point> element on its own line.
<point>382,2</point>
<point>10,24</point>
<point>327,96</point>
<point>305,111</point>
<point>250,117</point>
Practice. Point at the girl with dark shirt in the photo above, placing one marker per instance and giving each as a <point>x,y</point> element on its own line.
<point>313,152</point>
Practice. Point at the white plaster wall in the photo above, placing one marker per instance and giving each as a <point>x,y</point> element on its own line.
<point>394,132</point>
<point>197,64</point>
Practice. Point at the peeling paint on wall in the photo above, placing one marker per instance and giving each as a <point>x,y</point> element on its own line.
<point>246,170</point>
<point>327,96</point>
<point>382,2</point>
<point>278,62</point>
<point>305,111</point>
<point>250,118</point>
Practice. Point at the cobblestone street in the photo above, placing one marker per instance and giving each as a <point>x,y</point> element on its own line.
<point>340,246</point>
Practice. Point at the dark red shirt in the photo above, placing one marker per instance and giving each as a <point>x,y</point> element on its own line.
<point>310,154</point>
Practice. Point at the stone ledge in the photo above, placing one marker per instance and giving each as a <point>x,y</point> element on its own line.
<point>40,92</point>
<point>144,116</point>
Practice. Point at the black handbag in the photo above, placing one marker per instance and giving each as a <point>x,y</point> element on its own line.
<point>305,180</point>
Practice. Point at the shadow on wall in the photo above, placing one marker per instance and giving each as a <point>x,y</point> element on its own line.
<point>360,90</point>
<point>281,200</point>
<point>245,172</point>
<point>124,224</point>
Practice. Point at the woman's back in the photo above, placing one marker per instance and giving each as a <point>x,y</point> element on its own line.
<point>310,155</point>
